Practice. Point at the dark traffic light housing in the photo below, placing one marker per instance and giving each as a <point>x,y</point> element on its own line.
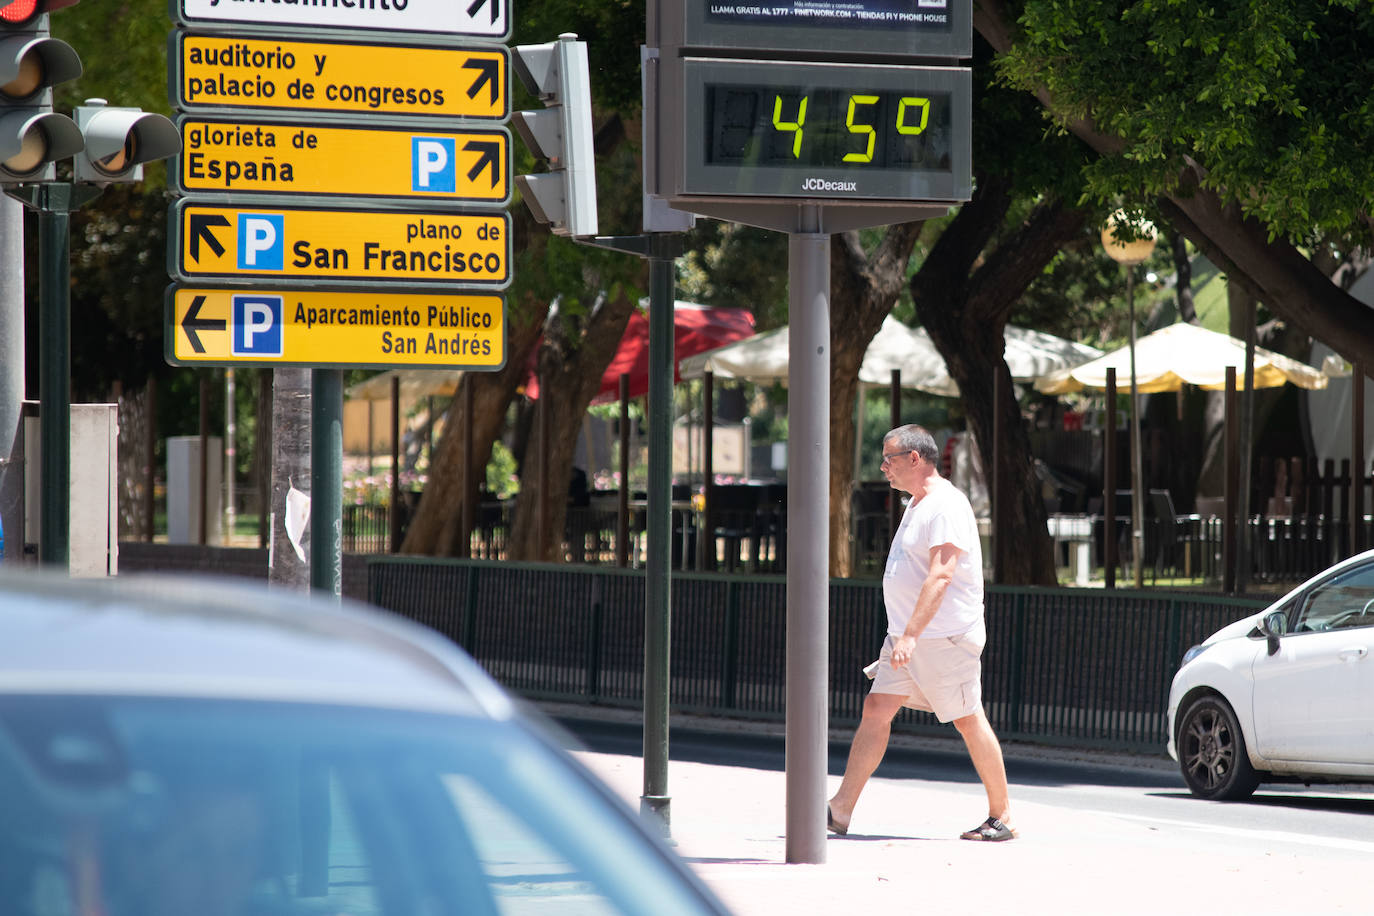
<point>32,136</point>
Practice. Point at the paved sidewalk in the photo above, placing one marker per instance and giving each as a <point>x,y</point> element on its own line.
<point>905,855</point>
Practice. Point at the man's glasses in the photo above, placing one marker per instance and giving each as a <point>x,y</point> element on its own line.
<point>887,459</point>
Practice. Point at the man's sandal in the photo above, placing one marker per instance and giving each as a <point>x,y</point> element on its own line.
<point>990,831</point>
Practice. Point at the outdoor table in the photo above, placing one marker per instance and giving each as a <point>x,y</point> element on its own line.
<point>1077,532</point>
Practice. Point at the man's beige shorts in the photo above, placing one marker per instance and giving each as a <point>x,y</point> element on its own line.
<point>944,676</point>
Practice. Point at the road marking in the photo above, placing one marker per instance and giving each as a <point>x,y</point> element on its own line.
<point>1277,836</point>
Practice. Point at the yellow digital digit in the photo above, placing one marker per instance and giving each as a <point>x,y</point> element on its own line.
<point>854,102</point>
<point>796,126</point>
<point>912,102</point>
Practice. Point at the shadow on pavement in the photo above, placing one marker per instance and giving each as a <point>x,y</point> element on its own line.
<point>945,761</point>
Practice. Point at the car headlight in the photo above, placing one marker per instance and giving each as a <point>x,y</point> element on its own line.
<point>1193,653</point>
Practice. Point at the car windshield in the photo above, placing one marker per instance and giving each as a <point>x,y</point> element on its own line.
<point>146,807</point>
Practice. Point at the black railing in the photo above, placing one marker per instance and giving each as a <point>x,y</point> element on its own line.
<point>1065,665</point>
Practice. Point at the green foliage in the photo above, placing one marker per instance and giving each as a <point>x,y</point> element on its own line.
<point>1081,294</point>
<point>123,48</point>
<point>613,30</point>
<point>1270,98</point>
<point>502,480</point>
<point>736,267</point>
<point>932,412</point>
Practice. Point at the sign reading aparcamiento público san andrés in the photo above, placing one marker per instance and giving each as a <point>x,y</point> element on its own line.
<point>270,326</point>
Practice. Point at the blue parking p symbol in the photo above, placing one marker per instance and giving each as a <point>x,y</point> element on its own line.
<point>262,241</point>
<point>432,165</point>
<point>257,323</point>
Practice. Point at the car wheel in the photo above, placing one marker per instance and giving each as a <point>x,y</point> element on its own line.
<point>1211,752</point>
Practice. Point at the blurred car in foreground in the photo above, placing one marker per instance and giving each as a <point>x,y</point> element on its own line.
<point>210,749</point>
<point>1286,695</point>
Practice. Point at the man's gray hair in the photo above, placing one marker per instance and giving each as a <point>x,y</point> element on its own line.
<point>916,439</point>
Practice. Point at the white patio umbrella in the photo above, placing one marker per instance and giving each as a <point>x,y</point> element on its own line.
<point>1183,353</point>
<point>763,358</point>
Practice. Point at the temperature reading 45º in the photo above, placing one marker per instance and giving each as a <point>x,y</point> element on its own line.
<point>824,127</point>
<point>858,121</point>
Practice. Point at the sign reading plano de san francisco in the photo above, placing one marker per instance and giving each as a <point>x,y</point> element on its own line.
<point>397,164</point>
<point>275,327</point>
<point>304,246</point>
<point>232,72</point>
<point>488,19</point>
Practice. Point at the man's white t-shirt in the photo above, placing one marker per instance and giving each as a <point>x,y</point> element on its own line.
<point>942,516</point>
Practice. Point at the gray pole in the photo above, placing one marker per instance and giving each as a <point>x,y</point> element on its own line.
<point>1137,465</point>
<point>55,202</point>
<point>1110,541</point>
<point>661,250</point>
<point>1247,437</point>
<point>202,536</point>
<point>11,375</point>
<point>230,455</point>
<point>290,434</point>
<point>326,481</point>
<point>54,379</point>
<point>808,459</point>
<point>659,528</point>
<point>622,497</point>
<point>394,509</point>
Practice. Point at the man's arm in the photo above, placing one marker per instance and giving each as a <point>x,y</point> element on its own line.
<point>944,559</point>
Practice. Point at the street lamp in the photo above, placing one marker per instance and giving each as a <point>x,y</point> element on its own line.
<point>1129,253</point>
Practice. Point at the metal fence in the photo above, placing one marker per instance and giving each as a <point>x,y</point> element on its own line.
<point>1070,666</point>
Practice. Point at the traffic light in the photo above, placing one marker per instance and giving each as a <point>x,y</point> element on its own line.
<point>32,137</point>
<point>119,140</point>
<point>565,196</point>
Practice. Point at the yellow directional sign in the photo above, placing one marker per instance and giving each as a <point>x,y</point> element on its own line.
<point>280,327</point>
<point>252,156</point>
<point>307,246</point>
<point>232,72</point>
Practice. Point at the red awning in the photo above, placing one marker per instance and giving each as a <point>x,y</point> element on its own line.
<point>696,328</point>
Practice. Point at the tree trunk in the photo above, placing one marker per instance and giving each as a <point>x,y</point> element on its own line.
<point>862,293</point>
<point>964,308</point>
<point>1183,271</point>
<point>572,359</point>
<point>290,467</point>
<point>436,527</point>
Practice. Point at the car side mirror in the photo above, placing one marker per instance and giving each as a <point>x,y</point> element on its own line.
<point>1273,626</point>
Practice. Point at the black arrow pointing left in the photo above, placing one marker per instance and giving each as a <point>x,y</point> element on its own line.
<point>201,224</point>
<point>491,154</point>
<point>486,74</point>
<point>193,323</point>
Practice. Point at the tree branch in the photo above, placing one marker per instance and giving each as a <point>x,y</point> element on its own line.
<point>1272,269</point>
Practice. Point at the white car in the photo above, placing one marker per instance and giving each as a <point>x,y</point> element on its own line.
<point>201,748</point>
<point>1286,695</point>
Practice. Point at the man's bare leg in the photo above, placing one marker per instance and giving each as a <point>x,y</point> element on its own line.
<point>870,743</point>
<point>986,753</point>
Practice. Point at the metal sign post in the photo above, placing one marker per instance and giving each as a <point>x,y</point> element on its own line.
<point>809,119</point>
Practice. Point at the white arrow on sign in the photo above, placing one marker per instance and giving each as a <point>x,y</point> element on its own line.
<point>477,18</point>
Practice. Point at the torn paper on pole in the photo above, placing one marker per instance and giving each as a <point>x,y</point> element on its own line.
<point>297,517</point>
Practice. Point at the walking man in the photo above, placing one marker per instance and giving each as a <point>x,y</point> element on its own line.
<point>933,590</point>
